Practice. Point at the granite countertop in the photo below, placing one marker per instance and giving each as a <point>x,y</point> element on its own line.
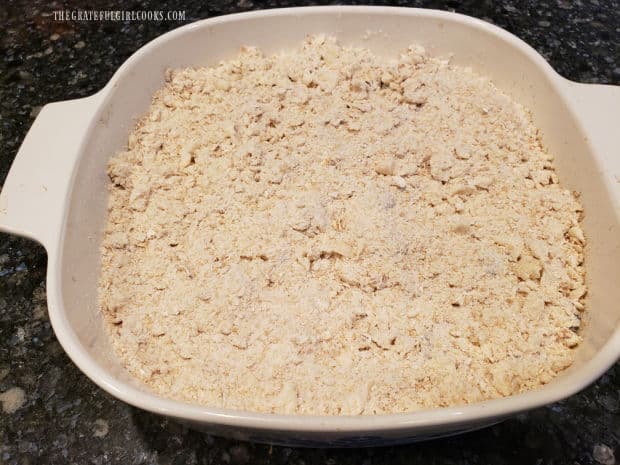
<point>51,413</point>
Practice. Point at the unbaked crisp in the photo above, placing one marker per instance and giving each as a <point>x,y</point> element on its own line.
<point>326,231</point>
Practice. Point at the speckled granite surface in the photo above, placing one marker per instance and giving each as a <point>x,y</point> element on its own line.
<point>52,414</point>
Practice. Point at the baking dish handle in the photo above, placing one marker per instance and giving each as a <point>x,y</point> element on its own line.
<point>598,108</point>
<point>33,196</point>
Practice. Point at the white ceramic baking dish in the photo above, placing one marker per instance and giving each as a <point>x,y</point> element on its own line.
<point>56,194</point>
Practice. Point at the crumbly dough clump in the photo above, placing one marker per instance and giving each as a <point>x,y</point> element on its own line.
<point>327,231</point>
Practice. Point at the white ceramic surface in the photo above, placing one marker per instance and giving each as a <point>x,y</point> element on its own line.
<point>55,193</point>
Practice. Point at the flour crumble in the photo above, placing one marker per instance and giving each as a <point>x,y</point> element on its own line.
<point>326,231</point>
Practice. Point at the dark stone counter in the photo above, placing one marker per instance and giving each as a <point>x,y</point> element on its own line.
<point>51,413</point>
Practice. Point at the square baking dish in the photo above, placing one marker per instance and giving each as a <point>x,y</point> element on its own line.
<point>56,194</point>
